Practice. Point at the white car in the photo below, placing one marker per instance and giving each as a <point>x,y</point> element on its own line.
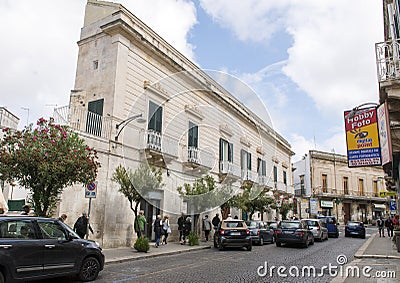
<point>318,229</point>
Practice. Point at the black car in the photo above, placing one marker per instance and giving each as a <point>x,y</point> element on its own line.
<point>260,232</point>
<point>35,248</point>
<point>232,233</point>
<point>354,228</point>
<point>294,232</point>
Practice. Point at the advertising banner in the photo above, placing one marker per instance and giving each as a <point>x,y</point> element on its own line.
<point>362,138</point>
<point>384,133</point>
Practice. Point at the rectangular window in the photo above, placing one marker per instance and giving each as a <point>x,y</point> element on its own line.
<point>361,186</point>
<point>375,187</point>
<point>155,117</point>
<point>284,178</point>
<point>94,117</point>
<point>95,64</point>
<point>346,185</point>
<point>193,135</point>
<point>275,177</point>
<point>261,167</point>
<point>225,150</point>
<point>245,160</point>
<point>324,183</point>
<point>302,186</point>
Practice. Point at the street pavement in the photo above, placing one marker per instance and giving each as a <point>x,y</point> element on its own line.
<point>379,259</point>
<point>377,256</point>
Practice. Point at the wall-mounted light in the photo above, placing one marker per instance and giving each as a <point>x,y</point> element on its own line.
<point>139,118</point>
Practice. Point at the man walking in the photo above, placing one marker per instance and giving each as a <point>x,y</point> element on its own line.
<point>181,221</point>
<point>81,225</point>
<point>207,227</point>
<point>381,229</point>
<point>215,221</point>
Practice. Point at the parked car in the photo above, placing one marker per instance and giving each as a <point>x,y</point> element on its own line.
<point>260,232</point>
<point>293,232</point>
<point>318,229</point>
<point>232,233</point>
<point>34,248</point>
<point>332,225</point>
<point>354,228</point>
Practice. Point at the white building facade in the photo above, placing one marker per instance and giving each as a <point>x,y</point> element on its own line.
<point>126,73</point>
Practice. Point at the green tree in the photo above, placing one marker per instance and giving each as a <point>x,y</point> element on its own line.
<point>285,208</point>
<point>137,185</point>
<point>252,199</point>
<point>46,159</point>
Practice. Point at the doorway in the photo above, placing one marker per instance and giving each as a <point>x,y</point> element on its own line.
<point>346,211</point>
<point>150,212</point>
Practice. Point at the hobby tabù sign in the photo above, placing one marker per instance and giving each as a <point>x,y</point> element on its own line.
<point>362,138</point>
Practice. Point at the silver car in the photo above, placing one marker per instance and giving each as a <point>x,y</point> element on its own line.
<point>318,229</point>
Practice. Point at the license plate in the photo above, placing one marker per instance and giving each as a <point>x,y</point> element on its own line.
<point>235,233</point>
<point>287,232</point>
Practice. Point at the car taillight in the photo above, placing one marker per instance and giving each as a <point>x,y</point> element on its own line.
<point>247,231</point>
<point>318,228</point>
<point>258,232</point>
<point>222,232</point>
<point>278,232</point>
<point>299,233</point>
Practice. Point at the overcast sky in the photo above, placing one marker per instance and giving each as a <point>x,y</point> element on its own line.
<point>307,60</point>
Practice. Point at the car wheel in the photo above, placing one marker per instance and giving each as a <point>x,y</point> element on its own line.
<point>326,237</point>
<point>346,235</point>
<point>220,247</point>
<point>363,236</point>
<point>278,244</point>
<point>215,243</point>
<point>337,235</point>
<point>272,239</point>
<point>1,278</point>
<point>89,270</point>
<point>305,245</point>
<point>261,241</point>
<point>249,247</point>
<point>312,241</point>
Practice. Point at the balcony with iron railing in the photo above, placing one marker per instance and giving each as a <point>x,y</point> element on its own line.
<point>83,121</point>
<point>387,60</point>
<point>248,176</point>
<point>198,157</point>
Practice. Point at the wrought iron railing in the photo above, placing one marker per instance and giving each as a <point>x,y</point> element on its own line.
<point>161,143</point>
<point>387,60</point>
<point>84,121</point>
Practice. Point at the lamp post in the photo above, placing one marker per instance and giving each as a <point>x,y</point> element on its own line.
<point>138,117</point>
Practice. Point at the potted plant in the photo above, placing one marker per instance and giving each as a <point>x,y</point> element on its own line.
<point>396,237</point>
<point>142,244</point>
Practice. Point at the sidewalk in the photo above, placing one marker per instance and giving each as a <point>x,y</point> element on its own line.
<point>116,255</point>
<point>380,254</point>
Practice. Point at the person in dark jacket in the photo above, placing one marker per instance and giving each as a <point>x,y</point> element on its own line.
<point>181,221</point>
<point>187,227</point>
<point>81,225</point>
<point>157,226</point>
<point>215,221</point>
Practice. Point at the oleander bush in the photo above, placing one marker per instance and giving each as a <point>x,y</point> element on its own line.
<point>142,244</point>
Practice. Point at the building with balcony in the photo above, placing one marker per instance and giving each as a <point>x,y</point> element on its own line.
<point>388,69</point>
<point>193,126</point>
<point>347,193</point>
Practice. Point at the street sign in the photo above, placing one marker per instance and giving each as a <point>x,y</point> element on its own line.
<point>393,204</point>
<point>313,206</point>
<point>91,190</point>
<point>383,194</point>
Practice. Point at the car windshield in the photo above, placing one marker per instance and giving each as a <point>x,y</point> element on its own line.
<point>289,225</point>
<point>313,223</point>
<point>234,224</point>
<point>252,224</point>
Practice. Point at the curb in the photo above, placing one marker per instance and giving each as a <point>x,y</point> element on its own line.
<point>146,255</point>
<point>361,250</point>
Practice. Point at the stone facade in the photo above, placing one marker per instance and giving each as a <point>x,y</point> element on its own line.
<point>193,125</point>
<point>348,193</point>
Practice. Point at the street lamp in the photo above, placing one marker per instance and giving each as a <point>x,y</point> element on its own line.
<point>138,117</point>
<point>360,108</point>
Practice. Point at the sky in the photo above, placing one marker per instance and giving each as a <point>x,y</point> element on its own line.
<point>307,60</point>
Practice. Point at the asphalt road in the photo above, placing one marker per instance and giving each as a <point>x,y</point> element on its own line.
<point>236,265</point>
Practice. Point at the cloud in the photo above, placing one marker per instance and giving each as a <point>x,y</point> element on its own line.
<point>39,50</point>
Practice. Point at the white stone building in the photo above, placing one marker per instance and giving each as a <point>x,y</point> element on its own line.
<point>193,125</point>
<point>348,193</point>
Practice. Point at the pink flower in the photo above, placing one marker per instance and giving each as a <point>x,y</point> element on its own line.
<point>52,141</point>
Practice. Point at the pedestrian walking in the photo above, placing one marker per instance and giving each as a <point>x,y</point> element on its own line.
<point>166,228</point>
<point>206,227</point>
<point>157,227</point>
<point>381,223</point>
<point>215,221</point>
<point>187,227</point>
<point>140,223</point>
<point>181,221</point>
<point>82,225</point>
<point>389,226</point>
<point>63,217</point>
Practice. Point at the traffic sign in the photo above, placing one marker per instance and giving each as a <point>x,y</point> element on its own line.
<point>91,190</point>
<point>393,204</point>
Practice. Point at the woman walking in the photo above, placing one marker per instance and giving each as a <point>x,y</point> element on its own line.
<point>166,228</point>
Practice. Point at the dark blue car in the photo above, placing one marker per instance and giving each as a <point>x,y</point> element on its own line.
<point>354,228</point>
<point>331,224</point>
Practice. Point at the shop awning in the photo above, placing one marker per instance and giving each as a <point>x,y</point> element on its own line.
<point>379,206</point>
